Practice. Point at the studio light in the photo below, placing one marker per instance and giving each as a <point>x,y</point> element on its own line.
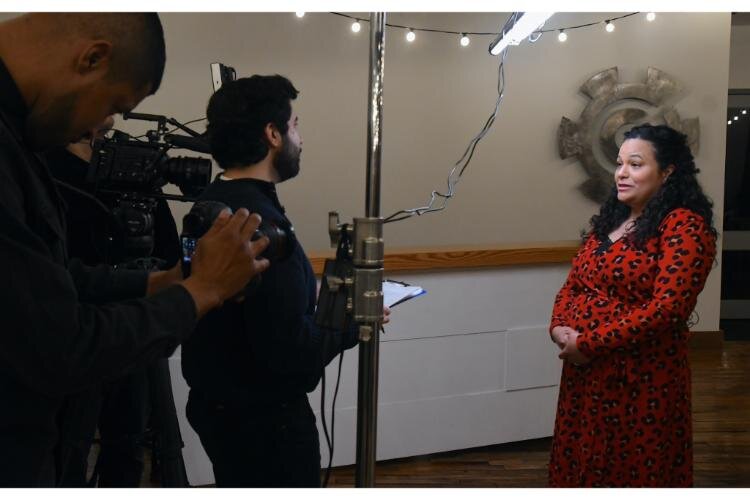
<point>525,24</point>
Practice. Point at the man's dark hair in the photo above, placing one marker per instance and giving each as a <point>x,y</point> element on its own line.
<point>138,50</point>
<point>238,114</point>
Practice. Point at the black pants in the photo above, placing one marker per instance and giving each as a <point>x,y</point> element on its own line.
<point>261,444</point>
<point>121,411</point>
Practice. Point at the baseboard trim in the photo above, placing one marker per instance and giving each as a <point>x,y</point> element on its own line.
<point>707,340</point>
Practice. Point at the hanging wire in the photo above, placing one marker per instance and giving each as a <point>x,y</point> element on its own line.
<point>463,162</point>
<point>438,201</point>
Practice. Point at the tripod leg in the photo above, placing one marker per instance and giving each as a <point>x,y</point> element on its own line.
<point>167,438</point>
<point>122,427</point>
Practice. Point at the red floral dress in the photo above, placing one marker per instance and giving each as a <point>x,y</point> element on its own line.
<point>624,419</point>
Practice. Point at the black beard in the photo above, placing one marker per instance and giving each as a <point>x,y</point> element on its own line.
<point>286,162</point>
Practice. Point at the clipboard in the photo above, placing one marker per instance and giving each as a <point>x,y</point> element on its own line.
<point>398,292</point>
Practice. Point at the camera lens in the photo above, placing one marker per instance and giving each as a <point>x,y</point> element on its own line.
<point>279,246</point>
<point>191,175</point>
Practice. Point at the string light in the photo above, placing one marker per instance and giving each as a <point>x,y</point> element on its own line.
<point>300,14</point>
<point>736,118</point>
<point>729,122</point>
<point>465,41</point>
<point>744,111</point>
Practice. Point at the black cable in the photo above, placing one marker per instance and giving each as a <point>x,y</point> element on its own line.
<point>173,129</point>
<point>333,420</point>
<point>549,30</point>
<point>323,413</point>
<point>329,440</point>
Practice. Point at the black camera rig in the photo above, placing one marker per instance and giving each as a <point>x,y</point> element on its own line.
<point>127,174</point>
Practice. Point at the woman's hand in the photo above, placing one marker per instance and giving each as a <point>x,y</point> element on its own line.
<point>570,351</point>
<point>559,335</point>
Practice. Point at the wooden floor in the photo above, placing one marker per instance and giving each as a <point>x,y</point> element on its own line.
<point>721,415</point>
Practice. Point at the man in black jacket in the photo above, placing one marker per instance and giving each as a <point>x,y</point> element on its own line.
<point>63,324</point>
<point>251,365</point>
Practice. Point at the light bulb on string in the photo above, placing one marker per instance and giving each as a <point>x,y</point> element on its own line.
<point>562,36</point>
<point>356,26</point>
<point>744,111</point>
<point>729,122</point>
<point>650,16</point>
<point>300,14</point>
<point>465,40</point>
<point>736,118</point>
<point>610,27</point>
<point>411,36</point>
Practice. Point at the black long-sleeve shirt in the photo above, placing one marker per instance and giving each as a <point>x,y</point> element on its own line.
<point>53,340</point>
<point>268,345</point>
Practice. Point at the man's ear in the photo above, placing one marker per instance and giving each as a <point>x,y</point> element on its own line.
<point>273,136</point>
<point>95,59</point>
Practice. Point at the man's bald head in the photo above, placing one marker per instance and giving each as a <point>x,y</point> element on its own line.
<point>75,69</point>
<point>138,51</point>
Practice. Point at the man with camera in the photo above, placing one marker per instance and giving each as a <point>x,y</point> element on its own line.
<point>120,409</point>
<point>250,365</point>
<point>65,325</point>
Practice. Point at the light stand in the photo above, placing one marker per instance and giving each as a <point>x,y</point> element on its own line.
<point>352,284</point>
<point>368,263</point>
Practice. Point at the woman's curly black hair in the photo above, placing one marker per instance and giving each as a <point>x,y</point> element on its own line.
<point>680,190</point>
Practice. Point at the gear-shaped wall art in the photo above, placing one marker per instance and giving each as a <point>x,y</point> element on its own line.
<point>614,108</point>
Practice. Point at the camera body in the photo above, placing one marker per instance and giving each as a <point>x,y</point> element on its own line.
<point>124,164</point>
<point>202,216</point>
<point>127,175</point>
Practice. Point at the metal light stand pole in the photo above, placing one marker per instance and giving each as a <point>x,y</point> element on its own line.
<point>368,268</point>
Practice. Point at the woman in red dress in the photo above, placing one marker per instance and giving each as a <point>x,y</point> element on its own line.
<point>621,322</point>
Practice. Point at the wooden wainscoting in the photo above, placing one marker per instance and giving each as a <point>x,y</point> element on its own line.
<point>466,257</point>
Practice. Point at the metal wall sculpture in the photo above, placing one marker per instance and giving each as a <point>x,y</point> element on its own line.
<point>615,107</point>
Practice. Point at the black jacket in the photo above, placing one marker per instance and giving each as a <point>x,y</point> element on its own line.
<point>59,329</point>
<point>268,346</point>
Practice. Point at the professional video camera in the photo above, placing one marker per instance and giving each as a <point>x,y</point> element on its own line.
<point>201,217</point>
<point>127,174</point>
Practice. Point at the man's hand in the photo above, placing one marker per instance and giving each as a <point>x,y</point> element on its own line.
<point>225,260</point>
<point>570,351</point>
<point>386,314</point>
